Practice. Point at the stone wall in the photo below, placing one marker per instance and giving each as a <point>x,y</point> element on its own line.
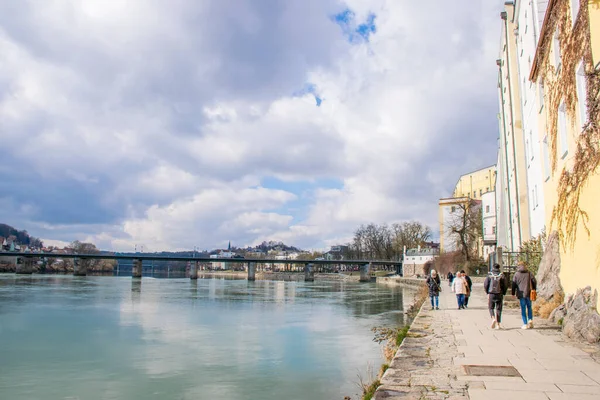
<point>579,317</point>
<point>549,270</point>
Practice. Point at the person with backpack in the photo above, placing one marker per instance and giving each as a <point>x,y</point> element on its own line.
<point>434,284</point>
<point>459,286</point>
<point>523,286</point>
<point>467,279</point>
<point>495,286</point>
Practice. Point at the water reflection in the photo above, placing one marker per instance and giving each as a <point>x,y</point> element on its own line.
<point>100,337</point>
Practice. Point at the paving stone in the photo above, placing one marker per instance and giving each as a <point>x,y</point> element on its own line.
<point>572,396</point>
<point>565,377</point>
<point>580,389</point>
<point>522,386</point>
<point>478,394</point>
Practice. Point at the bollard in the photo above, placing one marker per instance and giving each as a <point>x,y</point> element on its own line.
<point>79,267</point>
<point>136,270</point>
<point>252,271</point>
<point>24,266</point>
<point>309,272</point>
<point>365,273</point>
<point>194,270</point>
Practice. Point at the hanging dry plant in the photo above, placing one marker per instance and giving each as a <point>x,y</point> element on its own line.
<point>561,87</point>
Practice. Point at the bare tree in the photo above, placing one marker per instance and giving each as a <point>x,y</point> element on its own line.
<point>466,227</point>
<point>410,234</point>
<point>387,242</point>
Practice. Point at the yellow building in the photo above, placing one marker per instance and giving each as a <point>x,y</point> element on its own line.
<point>476,183</point>
<point>565,68</point>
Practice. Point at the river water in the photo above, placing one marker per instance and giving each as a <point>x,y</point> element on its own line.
<point>64,337</point>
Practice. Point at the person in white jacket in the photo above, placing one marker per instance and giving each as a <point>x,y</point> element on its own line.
<point>459,286</point>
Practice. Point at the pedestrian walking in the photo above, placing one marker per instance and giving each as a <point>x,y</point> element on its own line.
<point>434,284</point>
<point>467,279</point>
<point>459,286</point>
<point>524,286</point>
<point>450,278</point>
<point>495,286</point>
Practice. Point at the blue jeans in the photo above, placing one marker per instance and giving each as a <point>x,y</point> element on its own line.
<point>526,305</point>
<point>461,300</point>
<point>437,301</point>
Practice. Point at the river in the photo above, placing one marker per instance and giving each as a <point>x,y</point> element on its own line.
<point>64,337</point>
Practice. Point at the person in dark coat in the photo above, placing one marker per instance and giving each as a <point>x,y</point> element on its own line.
<point>522,284</point>
<point>450,278</point>
<point>469,286</point>
<point>495,287</point>
<point>434,284</point>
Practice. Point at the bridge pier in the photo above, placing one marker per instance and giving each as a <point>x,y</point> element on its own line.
<point>136,270</point>
<point>25,266</point>
<point>194,269</point>
<point>252,271</point>
<point>309,272</point>
<point>365,272</point>
<point>80,267</point>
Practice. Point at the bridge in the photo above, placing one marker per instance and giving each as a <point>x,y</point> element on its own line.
<point>28,260</point>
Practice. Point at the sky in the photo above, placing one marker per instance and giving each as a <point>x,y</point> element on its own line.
<point>182,124</point>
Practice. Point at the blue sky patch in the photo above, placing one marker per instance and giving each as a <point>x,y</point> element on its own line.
<point>303,189</point>
<point>309,88</point>
<point>355,32</point>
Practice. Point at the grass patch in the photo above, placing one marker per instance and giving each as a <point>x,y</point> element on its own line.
<point>369,390</point>
<point>384,367</point>
<point>543,308</point>
<point>401,335</point>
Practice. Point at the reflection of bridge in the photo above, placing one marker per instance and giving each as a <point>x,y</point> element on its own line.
<point>26,262</point>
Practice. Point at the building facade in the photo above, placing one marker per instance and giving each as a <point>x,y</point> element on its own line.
<point>511,188</point>
<point>488,216</point>
<point>418,261</point>
<point>475,184</point>
<point>528,18</point>
<point>567,67</point>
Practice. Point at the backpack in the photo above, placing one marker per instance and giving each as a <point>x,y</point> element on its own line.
<point>496,284</point>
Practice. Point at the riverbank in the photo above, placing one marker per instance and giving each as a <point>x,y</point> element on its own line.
<point>452,354</point>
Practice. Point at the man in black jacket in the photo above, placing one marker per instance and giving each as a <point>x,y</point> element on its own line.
<point>469,285</point>
<point>495,286</point>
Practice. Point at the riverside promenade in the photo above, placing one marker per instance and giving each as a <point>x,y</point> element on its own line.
<point>452,354</point>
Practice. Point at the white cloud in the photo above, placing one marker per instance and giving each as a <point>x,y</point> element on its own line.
<point>137,124</point>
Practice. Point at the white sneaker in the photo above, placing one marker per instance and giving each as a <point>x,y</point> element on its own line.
<point>494,324</point>
<point>525,327</point>
<point>530,324</point>
<point>498,327</point>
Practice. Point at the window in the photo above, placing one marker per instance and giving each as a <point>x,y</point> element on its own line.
<point>562,130</point>
<point>531,144</point>
<point>557,62</point>
<point>574,10</point>
<point>474,193</point>
<point>480,192</point>
<point>487,189</point>
<point>546,159</point>
<point>452,209</point>
<point>487,209</point>
<point>493,230</point>
<point>581,95</point>
<point>541,94</point>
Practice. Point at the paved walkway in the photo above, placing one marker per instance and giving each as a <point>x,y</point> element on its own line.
<point>430,363</point>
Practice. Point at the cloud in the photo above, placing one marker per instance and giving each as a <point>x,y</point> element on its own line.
<point>192,124</point>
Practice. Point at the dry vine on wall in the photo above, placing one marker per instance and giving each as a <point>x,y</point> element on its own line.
<point>562,87</point>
